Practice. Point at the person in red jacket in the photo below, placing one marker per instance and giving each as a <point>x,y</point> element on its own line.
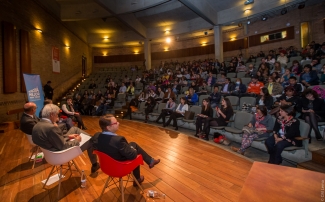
<point>254,87</point>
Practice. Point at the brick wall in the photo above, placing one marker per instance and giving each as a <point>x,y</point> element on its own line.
<point>27,15</point>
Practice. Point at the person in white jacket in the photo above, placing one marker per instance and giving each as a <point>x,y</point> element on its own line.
<point>180,111</point>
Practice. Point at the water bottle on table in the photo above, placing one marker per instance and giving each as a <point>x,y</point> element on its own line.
<point>83,179</point>
<point>151,194</point>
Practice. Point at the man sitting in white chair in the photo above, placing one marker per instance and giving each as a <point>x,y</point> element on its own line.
<point>49,136</point>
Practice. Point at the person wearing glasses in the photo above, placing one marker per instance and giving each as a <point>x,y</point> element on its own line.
<point>47,134</point>
<point>118,147</point>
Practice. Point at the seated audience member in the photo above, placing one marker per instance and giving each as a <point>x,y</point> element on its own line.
<point>251,71</point>
<point>176,87</point>
<point>130,89</point>
<point>282,59</point>
<point>313,111</point>
<point>132,107</point>
<point>223,116</point>
<point>223,68</point>
<point>260,77</point>
<point>211,80</point>
<point>316,66</point>
<point>192,98</point>
<point>160,95</point>
<point>293,83</point>
<point>275,89</point>
<point>296,67</point>
<point>215,97</point>
<point>77,104</point>
<point>321,52</point>
<point>122,88</point>
<point>67,110</point>
<point>265,71</point>
<point>169,94</point>
<point>168,110</point>
<point>194,86</point>
<point>150,105</point>
<point>259,126</point>
<point>239,88</point>
<point>118,148</point>
<point>152,94</point>
<point>144,95</point>
<point>206,113</point>
<point>92,85</point>
<point>180,111</point>
<point>204,89</point>
<point>322,77</point>
<point>241,67</point>
<point>28,119</point>
<point>288,98</point>
<point>221,80</point>
<point>106,102</point>
<point>254,87</point>
<point>231,68</point>
<point>151,86</point>
<point>227,87</point>
<point>265,99</point>
<point>48,135</point>
<point>285,77</point>
<point>309,77</point>
<point>285,131</point>
<point>183,82</point>
<point>278,69</point>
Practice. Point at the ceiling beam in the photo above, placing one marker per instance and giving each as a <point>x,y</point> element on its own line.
<point>203,9</point>
<point>128,19</point>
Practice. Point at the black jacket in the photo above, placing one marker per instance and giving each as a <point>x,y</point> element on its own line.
<point>27,123</point>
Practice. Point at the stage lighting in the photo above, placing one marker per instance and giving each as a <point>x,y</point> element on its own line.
<point>284,11</point>
<point>264,18</point>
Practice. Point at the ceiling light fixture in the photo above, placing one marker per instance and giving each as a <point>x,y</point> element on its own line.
<point>248,22</point>
<point>248,2</point>
<point>168,40</point>
<point>39,30</point>
<point>284,11</point>
<point>264,18</point>
<point>67,46</point>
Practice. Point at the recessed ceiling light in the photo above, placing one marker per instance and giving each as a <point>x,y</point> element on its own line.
<point>248,2</point>
<point>168,40</point>
<point>264,18</point>
<point>248,22</point>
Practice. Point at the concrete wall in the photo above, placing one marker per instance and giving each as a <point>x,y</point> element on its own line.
<point>27,15</point>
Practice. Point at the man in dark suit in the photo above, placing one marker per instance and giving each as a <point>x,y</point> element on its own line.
<point>118,148</point>
<point>48,135</point>
<point>28,120</point>
<point>227,87</point>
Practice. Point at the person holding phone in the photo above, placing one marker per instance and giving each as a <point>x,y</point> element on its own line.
<point>206,113</point>
<point>180,111</point>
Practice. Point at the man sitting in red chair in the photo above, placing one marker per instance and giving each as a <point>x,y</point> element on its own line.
<point>118,148</point>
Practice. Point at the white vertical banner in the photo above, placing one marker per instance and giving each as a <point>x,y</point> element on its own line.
<point>56,59</point>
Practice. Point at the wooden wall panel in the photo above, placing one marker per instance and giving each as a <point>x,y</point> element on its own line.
<point>255,40</point>
<point>119,58</point>
<point>235,45</point>
<point>25,58</point>
<point>9,58</point>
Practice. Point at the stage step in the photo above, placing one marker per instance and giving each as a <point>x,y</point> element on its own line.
<point>316,164</point>
<point>311,165</point>
<point>319,156</point>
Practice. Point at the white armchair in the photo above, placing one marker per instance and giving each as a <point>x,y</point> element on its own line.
<point>35,149</point>
<point>58,158</point>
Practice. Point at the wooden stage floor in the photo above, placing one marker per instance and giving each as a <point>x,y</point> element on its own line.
<point>190,169</point>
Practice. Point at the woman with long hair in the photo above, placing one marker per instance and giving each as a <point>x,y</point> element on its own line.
<point>265,98</point>
<point>223,116</point>
<point>180,111</point>
<point>313,111</point>
<point>257,128</point>
<point>206,113</point>
<point>285,134</point>
<point>170,108</point>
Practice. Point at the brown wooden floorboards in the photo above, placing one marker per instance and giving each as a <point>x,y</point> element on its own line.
<point>190,169</point>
